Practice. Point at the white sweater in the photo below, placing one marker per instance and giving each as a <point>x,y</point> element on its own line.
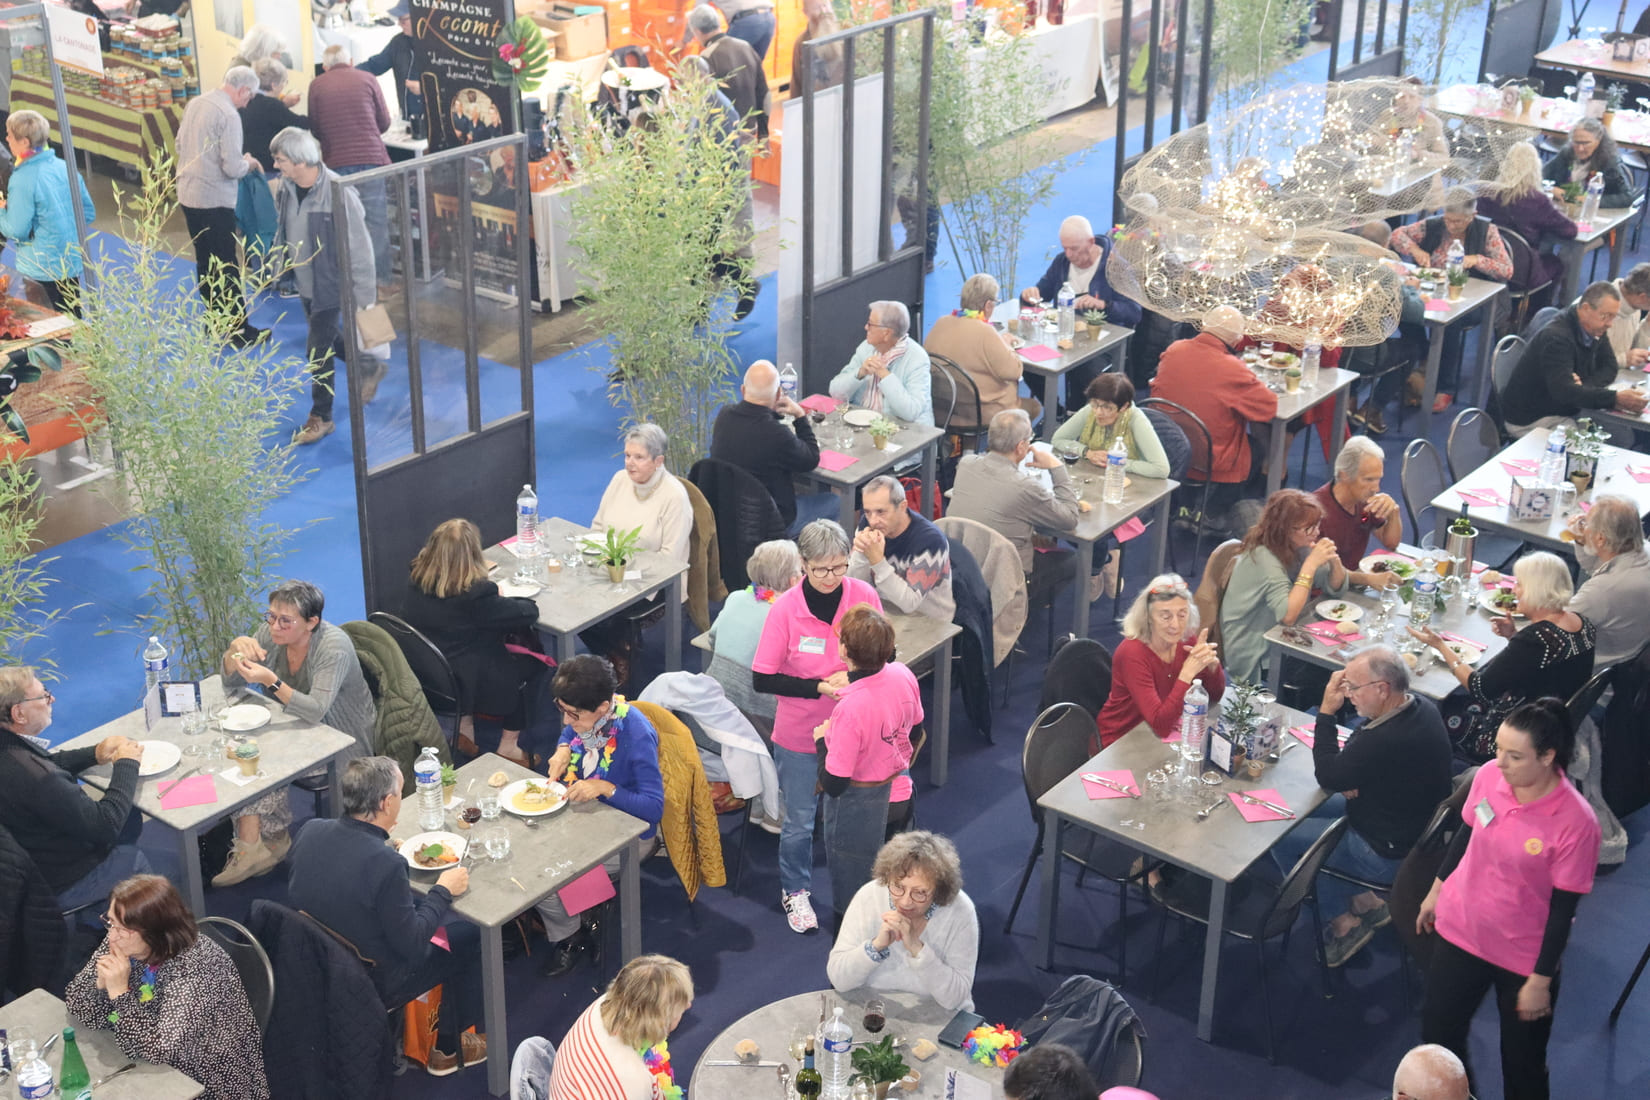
<point>662,511</point>
<point>942,970</point>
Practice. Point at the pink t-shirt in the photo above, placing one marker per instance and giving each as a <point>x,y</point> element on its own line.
<point>797,644</point>
<point>1495,903</point>
<point>870,735</point>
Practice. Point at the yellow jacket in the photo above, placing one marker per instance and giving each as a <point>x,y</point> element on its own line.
<point>688,826</point>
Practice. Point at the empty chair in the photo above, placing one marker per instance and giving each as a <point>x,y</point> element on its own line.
<point>1422,478</point>
<point>1079,672</point>
<point>746,515</point>
<point>1473,440</point>
<point>956,401</point>
<point>1194,475</point>
<point>1508,351</point>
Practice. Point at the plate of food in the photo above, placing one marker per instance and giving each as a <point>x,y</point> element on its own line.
<point>1388,562</point>
<point>1467,654</point>
<point>519,588</point>
<point>533,797</point>
<point>433,851</point>
<point>1340,611</point>
<point>1499,601</point>
<point>243,717</point>
<point>158,756</point>
<point>859,418</point>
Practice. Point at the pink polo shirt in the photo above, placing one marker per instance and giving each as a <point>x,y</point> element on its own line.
<point>1495,903</point>
<point>870,735</point>
<point>797,644</point>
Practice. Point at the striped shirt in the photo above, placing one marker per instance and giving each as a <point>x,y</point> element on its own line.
<point>592,1064</point>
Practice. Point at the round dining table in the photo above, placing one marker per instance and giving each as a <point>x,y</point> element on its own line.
<point>910,1017</point>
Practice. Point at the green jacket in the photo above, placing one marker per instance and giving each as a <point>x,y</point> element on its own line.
<point>406,724</point>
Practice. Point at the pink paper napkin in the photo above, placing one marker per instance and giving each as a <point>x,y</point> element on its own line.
<point>1640,474</point>
<point>1486,497</point>
<point>589,889</point>
<point>509,544</point>
<point>1252,812</point>
<point>1038,353</point>
<point>1325,632</point>
<point>1100,790</point>
<point>835,460</point>
<point>1306,735</point>
<point>1518,467</point>
<point>1130,529</point>
<point>194,791</point>
<point>818,402</point>
<point>1437,305</point>
<point>1448,637</point>
<point>440,939</point>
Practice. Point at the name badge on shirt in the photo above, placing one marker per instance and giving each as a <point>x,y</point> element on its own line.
<point>1483,812</point>
<point>816,646</point>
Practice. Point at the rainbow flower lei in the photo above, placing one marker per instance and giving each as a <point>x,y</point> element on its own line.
<point>977,314</point>
<point>993,1045</point>
<point>146,988</point>
<point>764,595</point>
<point>657,1060</point>
<point>605,761</point>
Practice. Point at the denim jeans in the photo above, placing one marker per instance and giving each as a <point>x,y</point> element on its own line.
<point>122,862</point>
<point>375,204</point>
<point>798,775</point>
<point>325,348</point>
<point>1353,856</point>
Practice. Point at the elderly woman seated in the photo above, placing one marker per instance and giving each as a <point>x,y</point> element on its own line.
<point>774,568</point>
<point>911,927</point>
<point>1592,149</point>
<point>889,371</point>
<point>1161,654</point>
<point>966,337</point>
<point>170,995</point>
<point>616,1049</point>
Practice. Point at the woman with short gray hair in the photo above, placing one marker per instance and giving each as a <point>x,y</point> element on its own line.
<point>888,373</point>
<point>967,338</point>
<point>269,112</point>
<point>37,214</point>
<point>774,568</point>
<point>797,659</point>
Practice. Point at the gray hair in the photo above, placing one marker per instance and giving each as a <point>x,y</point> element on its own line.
<point>1137,622</point>
<point>821,539</point>
<point>704,19</point>
<point>14,688</point>
<point>979,291</point>
<point>366,782</point>
<point>769,388</point>
<point>298,146</point>
<point>894,315</point>
<point>919,850</point>
<point>271,73</point>
<point>774,564</point>
<point>1616,520</point>
<point>1597,292</point>
<point>1008,430</point>
<point>698,64</point>
<point>300,594</point>
<point>1385,665</point>
<point>1637,280</point>
<point>651,437</point>
<point>334,56</point>
<point>30,127</point>
<point>886,483</point>
<point>1460,200</point>
<point>1353,453</point>
<point>241,78</point>
<point>1545,580</point>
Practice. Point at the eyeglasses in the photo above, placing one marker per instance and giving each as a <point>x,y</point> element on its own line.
<point>1313,526</point>
<point>283,621</point>
<point>1102,406</point>
<point>823,571</point>
<point>919,896</point>
<point>46,695</point>
<point>111,923</point>
<point>1366,683</point>
<point>874,324</point>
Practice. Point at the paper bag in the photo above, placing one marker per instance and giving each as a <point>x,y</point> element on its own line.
<point>373,326</point>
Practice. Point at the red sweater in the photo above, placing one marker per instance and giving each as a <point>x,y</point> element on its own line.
<point>1144,689</point>
<point>1201,374</point>
<point>347,112</point>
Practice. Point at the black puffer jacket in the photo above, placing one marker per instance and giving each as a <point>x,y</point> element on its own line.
<point>31,928</point>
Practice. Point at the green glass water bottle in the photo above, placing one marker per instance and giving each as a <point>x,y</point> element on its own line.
<point>72,1080</point>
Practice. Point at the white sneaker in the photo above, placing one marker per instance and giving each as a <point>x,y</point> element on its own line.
<point>245,861</point>
<point>799,911</point>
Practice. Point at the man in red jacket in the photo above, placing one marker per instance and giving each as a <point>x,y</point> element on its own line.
<point>348,115</point>
<point>1205,376</point>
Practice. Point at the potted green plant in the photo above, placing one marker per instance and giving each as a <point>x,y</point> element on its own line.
<point>882,430</point>
<point>1240,717</point>
<point>1572,197</point>
<point>1526,96</point>
<point>619,550</point>
<point>1613,95</point>
<point>880,1063</point>
<point>1292,380</point>
<point>1457,282</point>
<point>1095,319</point>
<point>449,780</point>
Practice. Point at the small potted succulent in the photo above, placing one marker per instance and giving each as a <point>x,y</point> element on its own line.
<point>449,783</point>
<point>1613,95</point>
<point>1457,282</point>
<point>618,551</point>
<point>1095,319</point>
<point>1572,197</point>
<point>882,430</point>
<point>879,1063</point>
<point>1292,380</point>
<point>1526,96</point>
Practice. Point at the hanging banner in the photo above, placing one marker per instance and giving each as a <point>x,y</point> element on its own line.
<point>459,43</point>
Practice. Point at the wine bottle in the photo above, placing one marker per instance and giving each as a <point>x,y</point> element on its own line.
<point>809,1083</point>
<point>1462,524</point>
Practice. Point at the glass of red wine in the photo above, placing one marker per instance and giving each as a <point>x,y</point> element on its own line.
<point>875,1017</point>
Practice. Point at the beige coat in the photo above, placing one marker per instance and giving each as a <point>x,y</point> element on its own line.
<point>981,354</point>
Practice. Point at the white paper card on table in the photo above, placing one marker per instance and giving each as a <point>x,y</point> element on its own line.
<point>179,697</point>
<point>233,774</point>
<point>632,574</point>
<point>151,708</point>
<point>960,1086</point>
<point>890,447</point>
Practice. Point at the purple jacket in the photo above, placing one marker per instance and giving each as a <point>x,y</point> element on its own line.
<point>1535,218</point>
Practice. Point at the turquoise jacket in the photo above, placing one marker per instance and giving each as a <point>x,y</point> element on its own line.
<point>39,218</point>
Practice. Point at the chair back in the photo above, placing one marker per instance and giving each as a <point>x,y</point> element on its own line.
<point>704,578</point>
<point>1523,261</point>
<point>1211,587</point>
<point>1508,351</point>
<point>999,564</point>
<point>429,665</point>
<point>1176,446</point>
<point>251,963</point>
<point>1193,428</point>
<point>1056,745</point>
<point>1079,672</point>
<point>955,395</point>
<point>1581,704</point>
<point>688,824</point>
<point>530,1069</point>
<point>1473,440</point>
<point>1422,478</point>
<point>746,515</point>
<point>1542,318</point>
<point>1298,883</point>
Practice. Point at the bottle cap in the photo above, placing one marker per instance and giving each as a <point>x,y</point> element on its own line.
<point>68,1035</point>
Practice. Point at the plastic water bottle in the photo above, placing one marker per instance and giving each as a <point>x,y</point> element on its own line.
<point>1426,592</point>
<point>1457,255</point>
<point>427,777</point>
<point>1194,716</point>
<point>1595,195</point>
<point>1553,458</point>
<point>527,534</point>
<point>787,381</point>
<point>1311,358</point>
<point>154,665</point>
<point>838,1041</point>
<point>1584,90</point>
<point>1067,303</point>
<point>1116,458</point>
<point>34,1078</point>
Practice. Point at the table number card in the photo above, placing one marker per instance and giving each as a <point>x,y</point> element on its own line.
<point>179,697</point>
<point>1220,751</point>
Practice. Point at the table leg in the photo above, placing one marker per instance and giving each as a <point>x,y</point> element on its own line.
<point>1570,254</point>
<point>566,646</point>
<point>1052,388</point>
<point>930,478</point>
<point>940,762</point>
<point>1053,825</point>
<point>1435,357</point>
<point>673,624</point>
<point>1160,536</point>
<point>1277,458</point>
<point>1082,565</point>
<point>1337,438</point>
<point>327,806</point>
<point>1211,960</point>
<point>492,1009</point>
<point>189,855</point>
<point>1486,353</point>
<point>845,510</point>
<point>1617,247</point>
<point>630,903</point>
<point>1275,676</point>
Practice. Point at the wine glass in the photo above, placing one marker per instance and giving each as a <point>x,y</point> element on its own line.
<point>800,1034</point>
<point>876,1017</point>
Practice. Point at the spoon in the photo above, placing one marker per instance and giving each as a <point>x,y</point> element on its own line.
<point>1203,814</point>
<point>106,1078</point>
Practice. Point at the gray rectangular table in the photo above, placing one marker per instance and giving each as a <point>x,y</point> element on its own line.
<point>1219,848</point>
<point>543,859</point>
<point>1611,477</point>
<point>1478,296</point>
<point>916,639</point>
<point>579,596</point>
<point>1142,494</point>
<point>1084,349</point>
<point>870,462</point>
<point>288,747</point>
<point>1625,379</point>
<point>1596,235</point>
<point>44,1015</point>
<point>1333,385</point>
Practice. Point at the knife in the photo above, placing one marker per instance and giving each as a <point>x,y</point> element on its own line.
<point>737,1062</point>
<point>107,1077</point>
<point>1273,806</point>
<point>1111,784</point>
<point>175,782</point>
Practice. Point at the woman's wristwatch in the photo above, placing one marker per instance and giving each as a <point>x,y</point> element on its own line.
<point>274,687</point>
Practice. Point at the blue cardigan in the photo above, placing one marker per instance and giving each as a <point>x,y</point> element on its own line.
<point>39,218</point>
<point>1119,310</point>
<point>635,769</point>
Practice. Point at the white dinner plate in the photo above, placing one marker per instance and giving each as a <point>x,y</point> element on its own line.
<point>1368,564</point>
<point>244,717</point>
<point>1340,611</point>
<point>517,588</point>
<point>412,844</point>
<point>1468,654</point>
<point>1484,601</point>
<point>859,418</point>
<point>507,797</point>
<point>158,756</point>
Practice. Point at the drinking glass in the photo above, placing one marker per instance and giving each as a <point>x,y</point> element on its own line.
<point>194,725</point>
<point>21,1045</point>
<point>497,842</point>
<point>489,805</point>
<point>800,1034</point>
<point>876,1017</point>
